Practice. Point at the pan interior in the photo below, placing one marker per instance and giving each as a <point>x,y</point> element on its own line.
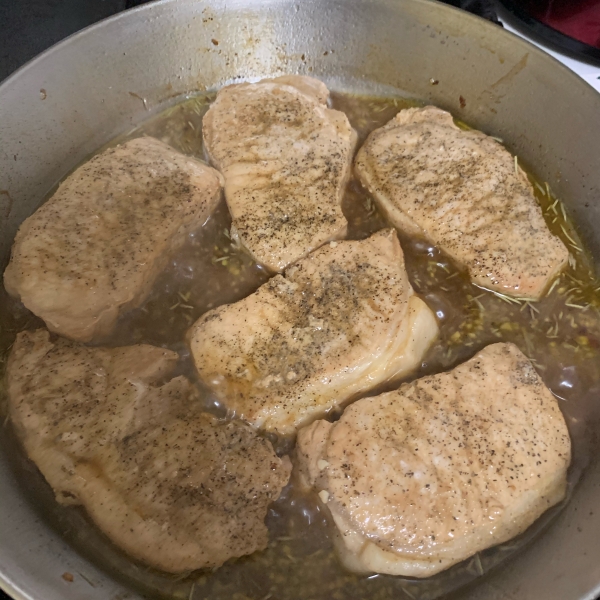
<point>379,48</point>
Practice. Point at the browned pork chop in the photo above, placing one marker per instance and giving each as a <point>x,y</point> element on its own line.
<point>340,322</point>
<point>95,248</point>
<point>286,159</point>
<point>168,483</point>
<point>463,191</point>
<point>422,478</point>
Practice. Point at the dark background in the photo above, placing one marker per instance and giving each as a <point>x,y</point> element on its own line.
<point>28,27</point>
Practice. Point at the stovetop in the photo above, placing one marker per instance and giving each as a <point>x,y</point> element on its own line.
<point>588,71</point>
<point>28,27</point>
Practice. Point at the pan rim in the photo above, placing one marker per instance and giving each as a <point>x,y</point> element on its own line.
<point>579,86</point>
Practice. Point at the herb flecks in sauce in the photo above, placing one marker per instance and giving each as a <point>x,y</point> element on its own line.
<point>560,334</point>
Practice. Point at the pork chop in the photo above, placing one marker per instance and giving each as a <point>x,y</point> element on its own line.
<point>286,159</point>
<point>463,192</point>
<point>340,322</point>
<point>166,482</point>
<point>95,248</point>
<point>423,477</point>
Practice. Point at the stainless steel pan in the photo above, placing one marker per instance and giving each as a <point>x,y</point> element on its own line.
<point>77,96</point>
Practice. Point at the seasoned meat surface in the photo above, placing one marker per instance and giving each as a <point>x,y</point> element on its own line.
<point>464,192</point>
<point>168,483</point>
<point>423,477</point>
<point>286,159</point>
<point>340,322</point>
<point>95,248</point>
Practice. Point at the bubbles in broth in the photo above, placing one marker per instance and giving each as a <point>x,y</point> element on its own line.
<point>560,334</point>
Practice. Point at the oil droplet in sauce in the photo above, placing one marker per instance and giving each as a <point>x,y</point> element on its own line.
<point>560,334</point>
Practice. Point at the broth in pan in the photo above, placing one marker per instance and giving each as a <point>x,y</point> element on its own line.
<point>560,334</point>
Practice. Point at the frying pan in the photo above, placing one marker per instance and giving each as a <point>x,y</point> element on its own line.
<point>65,104</point>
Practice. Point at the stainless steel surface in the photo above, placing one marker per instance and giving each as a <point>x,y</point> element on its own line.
<point>61,107</point>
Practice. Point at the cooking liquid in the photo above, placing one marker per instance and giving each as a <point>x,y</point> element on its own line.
<point>560,334</point>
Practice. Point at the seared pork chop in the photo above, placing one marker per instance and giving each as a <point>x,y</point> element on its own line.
<point>166,482</point>
<point>286,159</point>
<point>464,192</point>
<point>95,248</point>
<point>422,478</point>
<point>340,322</point>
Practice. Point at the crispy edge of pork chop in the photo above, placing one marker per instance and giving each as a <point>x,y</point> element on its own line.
<point>342,321</point>
<point>152,506</point>
<point>285,203</point>
<point>510,263</point>
<point>403,464</point>
<point>95,248</point>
